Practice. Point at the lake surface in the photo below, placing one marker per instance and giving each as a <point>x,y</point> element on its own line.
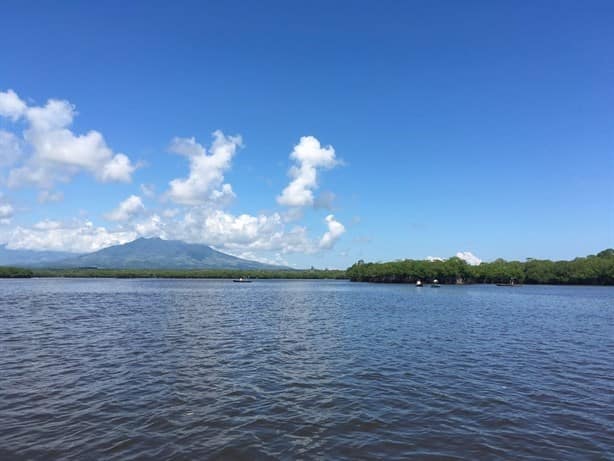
<point>208,369</point>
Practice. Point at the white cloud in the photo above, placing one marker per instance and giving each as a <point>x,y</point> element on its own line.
<point>10,148</point>
<point>277,259</point>
<point>205,181</point>
<point>53,153</point>
<point>127,209</point>
<point>244,235</point>
<point>117,168</point>
<point>11,106</point>
<point>469,257</point>
<point>225,230</point>
<point>309,156</point>
<point>153,226</point>
<point>56,153</point>
<point>47,196</point>
<point>170,212</point>
<point>238,234</point>
<point>47,224</point>
<point>335,230</point>
<point>77,237</point>
<point>6,210</point>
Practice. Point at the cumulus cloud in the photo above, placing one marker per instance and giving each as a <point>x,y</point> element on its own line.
<point>309,156</point>
<point>52,153</point>
<point>245,235</point>
<point>10,148</point>
<point>11,106</point>
<point>127,209</point>
<point>335,230</point>
<point>205,183</point>
<point>47,224</point>
<point>239,234</point>
<point>6,211</point>
<point>276,259</point>
<point>55,152</point>
<point>466,256</point>
<point>152,226</point>
<point>244,231</point>
<point>469,257</point>
<point>76,236</point>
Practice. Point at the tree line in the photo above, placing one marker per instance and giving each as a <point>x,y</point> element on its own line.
<point>173,273</point>
<point>15,272</point>
<point>591,270</point>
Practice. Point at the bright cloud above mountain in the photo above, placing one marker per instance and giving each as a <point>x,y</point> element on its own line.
<point>205,181</point>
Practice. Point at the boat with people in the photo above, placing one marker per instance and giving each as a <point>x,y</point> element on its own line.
<point>435,284</point>
<point>510,284</point>
<point>419,284</point>
<point>242,280</point>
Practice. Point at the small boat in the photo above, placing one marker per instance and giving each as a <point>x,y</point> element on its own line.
<point>435,284</point>
<point>419,284</point>
<point>242,280</point>
<point>511,284</point>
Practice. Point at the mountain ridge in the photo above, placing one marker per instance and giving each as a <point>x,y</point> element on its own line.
<point>24,258</point>
<point>146,253</point>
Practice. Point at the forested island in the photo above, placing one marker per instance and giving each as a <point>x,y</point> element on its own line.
<point>591,270</point>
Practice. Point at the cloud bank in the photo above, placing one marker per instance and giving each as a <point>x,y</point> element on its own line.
<point>39,149</point>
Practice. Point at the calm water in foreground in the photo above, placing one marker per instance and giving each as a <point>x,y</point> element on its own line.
<point>194,369</point>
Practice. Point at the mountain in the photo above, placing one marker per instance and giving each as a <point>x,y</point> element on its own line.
<point>155,253</point>
<point>24,258</point>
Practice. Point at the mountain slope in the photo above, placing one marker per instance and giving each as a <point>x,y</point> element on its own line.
<point>155,253</point>
<point>25,258</point>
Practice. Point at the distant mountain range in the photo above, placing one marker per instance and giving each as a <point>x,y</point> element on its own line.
<point>28,258</point>
<point>142,253</point>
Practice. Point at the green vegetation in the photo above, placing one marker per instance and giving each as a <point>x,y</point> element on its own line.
<point>592,270</point>
<point>15,272</point>
<point>191,274</point>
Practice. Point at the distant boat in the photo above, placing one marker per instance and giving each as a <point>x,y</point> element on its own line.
<point>510,284</point>
<point>419,284</point>
<point>242,280</point>
<point>435,284</point>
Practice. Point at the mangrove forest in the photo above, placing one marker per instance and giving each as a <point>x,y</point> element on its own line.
<point>591,270</point>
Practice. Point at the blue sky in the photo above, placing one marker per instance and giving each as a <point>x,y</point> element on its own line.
<point>482,127</point>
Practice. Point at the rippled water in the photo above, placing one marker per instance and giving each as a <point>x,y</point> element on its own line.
<point>194,369</point>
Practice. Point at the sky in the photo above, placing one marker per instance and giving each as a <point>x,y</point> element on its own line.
<point>310,133</point>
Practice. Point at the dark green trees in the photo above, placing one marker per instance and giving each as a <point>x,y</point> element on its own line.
<point>14,272</point>
<point>591,270</point>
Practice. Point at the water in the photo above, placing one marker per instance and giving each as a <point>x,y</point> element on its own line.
<point>205,369</point>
